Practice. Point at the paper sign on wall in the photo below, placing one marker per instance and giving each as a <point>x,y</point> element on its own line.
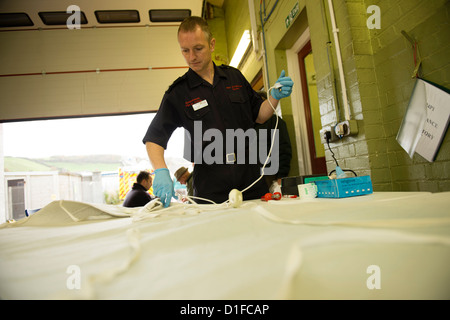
<point>426,120</point>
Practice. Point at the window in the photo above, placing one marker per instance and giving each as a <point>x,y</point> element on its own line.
<point>117,16</point>
<point>173,15</point>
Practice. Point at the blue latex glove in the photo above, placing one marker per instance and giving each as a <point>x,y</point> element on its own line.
<point>285,90</point>
<point>163,186</point>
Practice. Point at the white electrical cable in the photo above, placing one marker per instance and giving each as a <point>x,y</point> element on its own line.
<point>272,143</point>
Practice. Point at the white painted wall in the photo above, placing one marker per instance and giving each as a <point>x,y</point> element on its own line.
<point>58,95</point>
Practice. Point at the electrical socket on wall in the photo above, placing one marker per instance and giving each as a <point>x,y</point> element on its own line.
<point>338,131</point>
<point>346,128</point>
<point>329,130</point>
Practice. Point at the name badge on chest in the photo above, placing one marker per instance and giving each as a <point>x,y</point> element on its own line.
<point>199,105</point>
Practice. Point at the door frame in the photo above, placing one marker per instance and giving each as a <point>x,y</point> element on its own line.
<point>318,164</point>
<point>9,198</point>
<point>298,107</point>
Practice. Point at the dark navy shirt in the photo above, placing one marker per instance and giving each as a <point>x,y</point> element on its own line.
<point>137,197</point>
<point>229,103</point>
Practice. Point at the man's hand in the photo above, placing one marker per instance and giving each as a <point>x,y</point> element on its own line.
<point>163,186</point>
<point>285,90</point>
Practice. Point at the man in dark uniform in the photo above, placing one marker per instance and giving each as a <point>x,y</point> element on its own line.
<point>138,195</point>
<point>205,98</point>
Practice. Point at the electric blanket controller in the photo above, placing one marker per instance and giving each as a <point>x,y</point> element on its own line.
<point>235,198</point>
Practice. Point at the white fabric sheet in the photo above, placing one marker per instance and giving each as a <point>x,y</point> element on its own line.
<point>287,249</point>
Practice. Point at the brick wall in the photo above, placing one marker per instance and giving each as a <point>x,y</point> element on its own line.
<point>428,23</point>
<point>351,152</point>
<point>378,66</point>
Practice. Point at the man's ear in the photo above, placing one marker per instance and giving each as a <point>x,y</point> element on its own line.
<point>212,44</point>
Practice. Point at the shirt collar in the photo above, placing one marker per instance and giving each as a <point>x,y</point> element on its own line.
<point>195,80</point>
<point>138,186</point>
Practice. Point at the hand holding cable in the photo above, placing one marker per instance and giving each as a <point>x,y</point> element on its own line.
<point>285,89</point>
<point>163,186</point>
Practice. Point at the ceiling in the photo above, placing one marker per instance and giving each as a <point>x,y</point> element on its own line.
<point>88,7</point>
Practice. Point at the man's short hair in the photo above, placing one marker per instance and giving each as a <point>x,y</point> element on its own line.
<point>143,175</point>
<point>190,24</point>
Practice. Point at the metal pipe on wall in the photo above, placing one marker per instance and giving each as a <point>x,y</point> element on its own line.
<point>339,61</point>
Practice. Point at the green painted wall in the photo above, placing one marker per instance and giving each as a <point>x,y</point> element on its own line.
<point>378,66</point>
<point>393,66</point>
<point>216,22</point>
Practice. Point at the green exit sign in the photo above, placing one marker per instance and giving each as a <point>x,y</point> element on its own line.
<point>292,15</point>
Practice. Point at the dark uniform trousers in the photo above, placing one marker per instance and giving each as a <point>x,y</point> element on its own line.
<point>212,181</point>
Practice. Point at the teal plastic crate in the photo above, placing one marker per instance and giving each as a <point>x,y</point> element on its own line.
<point>343,188</point>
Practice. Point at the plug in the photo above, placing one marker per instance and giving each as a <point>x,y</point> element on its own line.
<point>327,135</point>
<point>235,198</point>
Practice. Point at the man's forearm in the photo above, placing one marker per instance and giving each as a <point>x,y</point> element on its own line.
<point>156,155</point>
<point>266,111</point>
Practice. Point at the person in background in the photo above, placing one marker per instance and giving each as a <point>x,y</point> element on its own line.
<point>217,97</point>
<point>138,196</point>
<point>183,176</point>
<point>285,148</point>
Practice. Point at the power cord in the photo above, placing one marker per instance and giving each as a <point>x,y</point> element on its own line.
<point>328,137</point>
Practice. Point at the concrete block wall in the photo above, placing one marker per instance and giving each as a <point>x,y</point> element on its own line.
<point>393,60</point>
<point>352,152</point>
<point>378,65</point>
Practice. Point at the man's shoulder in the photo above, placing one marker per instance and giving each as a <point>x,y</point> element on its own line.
<point>177,82</point>
<point>226,68</point>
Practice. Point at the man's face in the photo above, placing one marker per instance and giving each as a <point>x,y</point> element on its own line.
<point>196,49</point>
<point>184,177</point>
<point>147,183</point>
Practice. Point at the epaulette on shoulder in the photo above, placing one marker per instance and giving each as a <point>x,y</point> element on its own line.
<point>178,80</point>
<point>225,66</point>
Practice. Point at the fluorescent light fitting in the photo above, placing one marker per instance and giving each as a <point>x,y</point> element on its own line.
<point>241,49</point>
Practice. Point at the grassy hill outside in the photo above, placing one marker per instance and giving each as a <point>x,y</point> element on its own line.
<point>87,166</point>
<point>22,164</point>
